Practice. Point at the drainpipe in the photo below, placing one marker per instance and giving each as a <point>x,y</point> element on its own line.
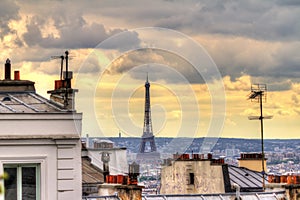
<point>237,191</point>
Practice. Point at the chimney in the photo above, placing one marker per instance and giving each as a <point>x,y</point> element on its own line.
<point>17,75</point>
<point>7,70</point>
<point>133,172</point>
<point>63,92</point>
<point>252,161</point>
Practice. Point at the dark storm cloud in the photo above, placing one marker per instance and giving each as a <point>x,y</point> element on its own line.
<point>263,20</point>
<point>163,65</point>
<point>8,11</point>
<point>272,21</point>
<point>127,40</point>
<point>80,25</point>
<point>77,34</point>
<point>288,2</point>
<point>277,84</point>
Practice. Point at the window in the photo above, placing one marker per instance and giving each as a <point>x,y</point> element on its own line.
<point>192,177</point>
<point>23,182</point>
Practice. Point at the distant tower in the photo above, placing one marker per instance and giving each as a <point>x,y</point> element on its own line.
<point>148,136</point>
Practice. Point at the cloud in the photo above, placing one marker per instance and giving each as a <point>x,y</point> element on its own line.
<point>261,42</point>
<point>296,88</point>
<point>276,64</point>
<point>267,20</point>
<point>127,40</point>
<point>8,12</point>
<point>78,34</point>
<point>161,64</point>
<point>241,84</point>
<point>256,19</point>
<point>295,99</point>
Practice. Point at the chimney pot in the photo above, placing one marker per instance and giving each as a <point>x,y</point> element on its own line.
<point>17,75</point>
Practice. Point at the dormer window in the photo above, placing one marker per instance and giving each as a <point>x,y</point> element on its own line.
<point>7,98</point>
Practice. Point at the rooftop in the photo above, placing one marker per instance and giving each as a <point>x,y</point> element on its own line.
<point>91,173</point>
<point>247,179</point>
<point>25,115</point>
<point>26,102</point>
<point>19,96</point>
<point>228,196</point>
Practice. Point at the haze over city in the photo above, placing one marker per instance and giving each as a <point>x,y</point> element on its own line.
<point>112,52</point>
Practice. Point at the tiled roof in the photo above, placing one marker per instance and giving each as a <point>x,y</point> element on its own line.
<point>27,102</point>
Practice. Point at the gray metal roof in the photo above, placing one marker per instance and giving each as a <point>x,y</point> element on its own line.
<point>228,196</point>
<point>245,178</point>
<point>27,102</point>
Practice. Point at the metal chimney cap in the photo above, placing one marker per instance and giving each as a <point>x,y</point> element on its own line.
<point>7,60</point>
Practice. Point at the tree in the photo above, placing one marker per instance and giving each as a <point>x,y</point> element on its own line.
<point>3,177</point>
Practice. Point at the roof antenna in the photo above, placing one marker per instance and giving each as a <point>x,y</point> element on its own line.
<point>61,64</point>
<point>67,78</point>
<point>259,93</point>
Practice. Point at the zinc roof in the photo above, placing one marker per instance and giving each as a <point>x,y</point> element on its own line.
<point>27,102</point>
<point>247,179</point>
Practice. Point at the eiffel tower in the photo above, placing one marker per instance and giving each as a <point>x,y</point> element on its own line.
<point>148,137</point>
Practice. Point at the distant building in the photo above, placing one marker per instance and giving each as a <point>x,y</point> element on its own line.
<point>232,152</point>
<point>103,144</point>
<point>290,182</point>
<point>39,141</point>
<point>106,173</point>
<point>99,161</point>
<point>200,175</point>
<point>117,156</point>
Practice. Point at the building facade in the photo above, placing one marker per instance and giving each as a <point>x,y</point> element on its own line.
<point>188,176</point>
<point>117,157</point>
<point>40,147</point>
<point>199,174</point>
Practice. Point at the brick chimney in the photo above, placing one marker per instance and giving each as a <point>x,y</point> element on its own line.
<point>252,161</point>
<point>63,93</point>
<point>16,85</point>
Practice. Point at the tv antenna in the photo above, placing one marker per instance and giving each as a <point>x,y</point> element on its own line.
<point>61,64</point>
<point>65,77</point>
<point>259,94</point>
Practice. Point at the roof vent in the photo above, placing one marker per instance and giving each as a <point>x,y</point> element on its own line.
<point>6,98</point>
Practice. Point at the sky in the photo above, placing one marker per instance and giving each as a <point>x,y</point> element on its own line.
<point>201,58</point>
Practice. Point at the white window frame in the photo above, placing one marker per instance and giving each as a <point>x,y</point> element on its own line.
<point>40,160</point>
<point>19,178</point>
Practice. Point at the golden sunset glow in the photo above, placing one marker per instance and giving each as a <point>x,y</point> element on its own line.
<point>110,73</point>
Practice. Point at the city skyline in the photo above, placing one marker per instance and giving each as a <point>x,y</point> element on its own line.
<point>248,42</point>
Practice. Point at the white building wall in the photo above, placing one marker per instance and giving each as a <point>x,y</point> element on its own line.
<point>53,141</point>
<point>16,152</point>
<point>118,160</point>
<point>40,125</point>
<point>69,176</point>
